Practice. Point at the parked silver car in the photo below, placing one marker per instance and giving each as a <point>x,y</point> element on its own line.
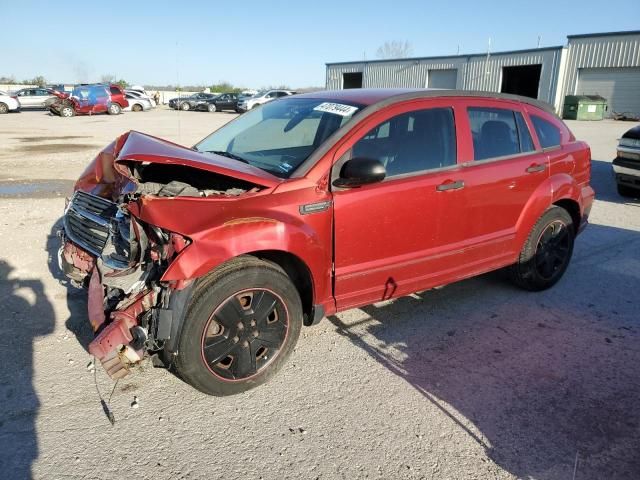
<point>261,98</point>
<point>36,97</point>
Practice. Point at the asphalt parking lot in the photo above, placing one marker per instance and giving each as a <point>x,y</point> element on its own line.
<point>475,380</point>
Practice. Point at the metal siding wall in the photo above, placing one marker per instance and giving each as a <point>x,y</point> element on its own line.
<point>474,73</point>
<point>599,52</point>
<point>486,76</point>
<point>334,74</point>
<point>399,73</point>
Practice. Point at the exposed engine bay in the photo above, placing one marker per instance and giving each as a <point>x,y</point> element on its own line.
<point>121,260</point>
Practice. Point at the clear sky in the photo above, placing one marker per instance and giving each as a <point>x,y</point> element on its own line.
<point>263,43</point>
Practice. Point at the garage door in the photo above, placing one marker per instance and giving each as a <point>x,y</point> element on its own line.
<point>620,86</point>
<point>443,78</point>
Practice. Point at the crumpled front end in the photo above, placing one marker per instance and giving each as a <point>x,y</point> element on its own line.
<point>120,261</point>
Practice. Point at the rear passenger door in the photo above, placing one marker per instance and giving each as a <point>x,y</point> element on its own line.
<point>505,169</point>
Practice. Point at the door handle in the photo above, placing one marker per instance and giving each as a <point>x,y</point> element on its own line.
<point>449,185</point>
<point>536,168</point>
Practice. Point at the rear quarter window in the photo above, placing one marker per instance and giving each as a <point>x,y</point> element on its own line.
<point>548,134</point>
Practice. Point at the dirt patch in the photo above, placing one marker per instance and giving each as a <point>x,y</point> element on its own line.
<point>46,188</point>
<point>56,148</point>
<point>48,139</point>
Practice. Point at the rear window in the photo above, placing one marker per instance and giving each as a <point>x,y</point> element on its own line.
<point>548,133</point>
<point>115,90</point>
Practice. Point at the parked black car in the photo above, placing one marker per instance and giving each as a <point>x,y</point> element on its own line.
<point>190,102</point>
<point>626,165</point>
<point>224,101</point>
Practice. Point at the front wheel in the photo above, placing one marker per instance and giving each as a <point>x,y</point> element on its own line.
<point>547,251</point>
<point>185,106</point>
<point>241,325</point>
<point>212,107</point>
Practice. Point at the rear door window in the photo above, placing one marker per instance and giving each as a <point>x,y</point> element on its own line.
<point>494,132</point>
<point>548,134</point>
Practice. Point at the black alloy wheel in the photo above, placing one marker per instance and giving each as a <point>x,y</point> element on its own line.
<point>552,250</point>
<point>547,251</point>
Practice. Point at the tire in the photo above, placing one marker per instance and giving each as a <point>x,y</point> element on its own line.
<point>212,108</point>
<point>238,110</point>
<point>4,108</point>
<point>136,108</point>
<point>222,331</point>
<point>67,111</point>
<point>185,106</point>
<point>114,109</point>
<point>627,191</point>
<point>546,253</point>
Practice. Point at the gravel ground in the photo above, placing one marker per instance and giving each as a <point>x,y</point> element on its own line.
<point>476,380</point>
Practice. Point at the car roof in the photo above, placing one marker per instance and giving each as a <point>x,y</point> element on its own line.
<point>371,96</point>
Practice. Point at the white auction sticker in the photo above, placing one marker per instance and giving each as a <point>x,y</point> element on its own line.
<point>337,108</point>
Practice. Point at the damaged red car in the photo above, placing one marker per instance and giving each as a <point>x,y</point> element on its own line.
<point>89,100</point>
<point>211,259</point>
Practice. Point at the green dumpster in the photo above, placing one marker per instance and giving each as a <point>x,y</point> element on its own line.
<point>584,107</point>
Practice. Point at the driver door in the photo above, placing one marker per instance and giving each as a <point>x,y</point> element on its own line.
<point>400,235</point>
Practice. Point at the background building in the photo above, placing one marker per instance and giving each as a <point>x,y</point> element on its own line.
<point>606,64</point>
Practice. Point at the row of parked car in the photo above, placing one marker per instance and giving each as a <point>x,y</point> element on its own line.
<point>83,99</point>
<point>212,102</point>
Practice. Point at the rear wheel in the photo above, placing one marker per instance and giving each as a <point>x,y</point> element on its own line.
<point>137,108</point>
<point>4,108</point>
<point>114,109</point>
<point>212,107</point>
<point>241,325</point>
<point>626,191</point>
<point>546,253</point>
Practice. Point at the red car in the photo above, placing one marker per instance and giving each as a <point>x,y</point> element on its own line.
<point>90,99</point>
<point>212,258</point>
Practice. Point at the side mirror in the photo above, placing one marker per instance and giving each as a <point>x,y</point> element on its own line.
<point>360,171</point>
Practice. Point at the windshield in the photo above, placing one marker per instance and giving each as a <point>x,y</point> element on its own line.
<point>280,135</point>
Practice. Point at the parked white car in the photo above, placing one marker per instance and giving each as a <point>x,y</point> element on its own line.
<point>8,103</point>
<point>137,104</point>
<point>262,97</point>
<point>140,95</point>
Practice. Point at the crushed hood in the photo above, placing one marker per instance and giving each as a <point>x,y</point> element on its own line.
<point>139,147</point>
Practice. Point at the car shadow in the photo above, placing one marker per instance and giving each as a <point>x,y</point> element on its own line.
<point>546,383</point>
<point>604,183</point>
<point>27,315</point>
<point>77,322</point>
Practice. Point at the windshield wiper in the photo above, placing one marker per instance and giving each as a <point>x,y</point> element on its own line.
<point>228,155</point>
